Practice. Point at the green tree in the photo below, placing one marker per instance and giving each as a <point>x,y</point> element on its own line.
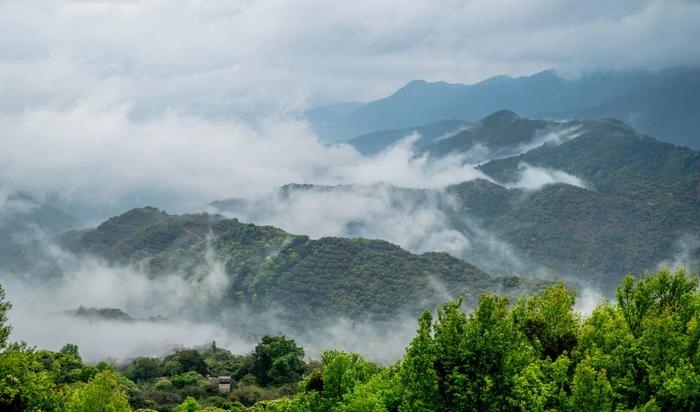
<point>381,393</point>
<point>477,356</point>
<point>5,328</point>
<point>102,394</point>
<point>189,405</point>
<point>652,296</point>
<point>189,360</point>
<point>606,343</point>
<point>590,388</point>
<point>342,372</point>
<point>418,376</point>
<point>143,369</point>
<point>24,385</point>
<point>548,321</point>
<point>277,360</point>
<point>71,350</point>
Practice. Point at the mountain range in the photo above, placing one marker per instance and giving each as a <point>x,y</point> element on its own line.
<point>664,104</point>
<point>605,199</point>
<point>584,200</point>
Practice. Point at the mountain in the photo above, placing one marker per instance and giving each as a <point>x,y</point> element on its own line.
<point>499,135</point>
<point>666,108</point>
<point>642,200</point>
<point>373,143</point>
<point>267,267</point>
<point>637,203</point>
<point>665,104</point>
<point>23,218</point>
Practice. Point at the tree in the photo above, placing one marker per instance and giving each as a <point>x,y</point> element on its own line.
<point>382,392</point>
<point>102,394</point>
<point>71,350</point>
<point>591,388</point>
<point>606,343</point>
<point>342,372</point>
<point>548,321</point>
<point>189,405</point>
<point>664,293</point>
<point>277,360</point>
<point>189,360</point>
<point>143,369</point>
<point>24,385</point>
<point>5,327</point>
<point>418,377</point>
<point>477,356</point>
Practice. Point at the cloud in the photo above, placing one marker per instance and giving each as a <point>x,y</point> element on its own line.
<point>554,137</point>
<point>218,58</point>
<point>413,219</point>
<point>195,308</point>
<point>535,178</point>
<point>418,220</point>
<point>587,300</point>
<point>101,155</point>
<point>686,253</point>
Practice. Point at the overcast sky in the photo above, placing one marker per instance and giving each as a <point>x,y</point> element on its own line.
<point>219,56</point>
<point>102,98</point>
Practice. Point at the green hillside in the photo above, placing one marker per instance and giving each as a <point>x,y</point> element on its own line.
<point>645,196</point>
<point>498,131</point>
<point>312,279</point>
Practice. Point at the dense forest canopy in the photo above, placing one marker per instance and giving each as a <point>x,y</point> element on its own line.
<point>641,352</point>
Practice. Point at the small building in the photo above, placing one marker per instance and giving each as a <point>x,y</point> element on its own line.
<point>224,384</point>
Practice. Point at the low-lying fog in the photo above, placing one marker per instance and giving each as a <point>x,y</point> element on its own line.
<point>43,315</point>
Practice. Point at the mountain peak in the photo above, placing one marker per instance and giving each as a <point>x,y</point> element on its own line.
<point>411,86</point>
<point>137,218</point>
<point>500,116</point>
<point>415,83</point>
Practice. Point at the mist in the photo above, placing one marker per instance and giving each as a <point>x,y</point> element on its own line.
<point>686,253</point>
<point>101,156</point>
<point>531,178</point>
<point>170,311</point>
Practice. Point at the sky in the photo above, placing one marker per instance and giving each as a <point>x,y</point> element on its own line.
<point>242,57</point>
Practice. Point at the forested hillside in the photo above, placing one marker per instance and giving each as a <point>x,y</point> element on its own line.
<point>643,198</point>
<point>267,267</point>
<point>634,202</point>
<point>535,353</point>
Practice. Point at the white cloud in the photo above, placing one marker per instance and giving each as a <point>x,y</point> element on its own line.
<point>535,178</point>
<point>242,57</point>
<point>97,154</point>
<point>195,315</point>
<point>411,219</point>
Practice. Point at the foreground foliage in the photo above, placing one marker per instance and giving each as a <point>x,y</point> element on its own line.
<point>642,353</point>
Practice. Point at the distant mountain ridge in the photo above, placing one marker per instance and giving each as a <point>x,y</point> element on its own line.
<point>23,218</point>
<point>665,104</point>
